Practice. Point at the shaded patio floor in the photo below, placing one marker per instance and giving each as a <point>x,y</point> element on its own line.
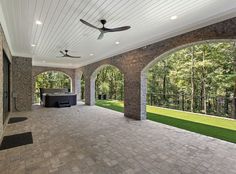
<point>94,140</point>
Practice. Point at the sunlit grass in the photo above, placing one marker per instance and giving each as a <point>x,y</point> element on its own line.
<point>217,127</point>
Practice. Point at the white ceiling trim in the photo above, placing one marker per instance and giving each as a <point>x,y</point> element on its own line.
<point>57,65</point>
<point>22,55</point>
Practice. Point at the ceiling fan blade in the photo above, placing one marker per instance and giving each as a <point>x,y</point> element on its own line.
<point>118,29</point>
<point>62,52</point>
<point>67,55</point>
<point>73,56</point>
<point>100,36</point>
<point>88,24</point>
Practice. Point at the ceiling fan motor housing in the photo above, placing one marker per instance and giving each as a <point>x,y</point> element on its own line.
<point>103,21</point>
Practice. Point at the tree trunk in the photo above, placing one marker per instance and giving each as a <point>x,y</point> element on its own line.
<point>204,83</point>
<point>183,99</point>
<point>226,102</point>
<point>234,97</point>
<point>151,100</point>
<point>234,103</point>
<point>192,79</point>
<point>164,82</point>
<point>152,87</point>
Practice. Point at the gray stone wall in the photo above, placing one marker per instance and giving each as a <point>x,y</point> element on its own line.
<point>135,63</point>
<point>36,70</point>
<point>22,83</point>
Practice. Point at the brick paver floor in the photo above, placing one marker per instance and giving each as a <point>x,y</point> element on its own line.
<point>94,140</point>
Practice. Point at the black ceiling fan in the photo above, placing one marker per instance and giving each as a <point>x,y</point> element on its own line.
<point>65,54</point>
<point>104,29</point>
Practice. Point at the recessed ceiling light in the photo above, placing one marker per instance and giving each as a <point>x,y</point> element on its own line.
<point>44,61</point>
<point>33,45</point>
<point>38,22</point>
<point>117,42</point>
<point>173,17</point>
<point>91,54</point>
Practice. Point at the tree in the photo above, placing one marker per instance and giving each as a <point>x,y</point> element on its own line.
<point>234,76</point>
<point>51,79</point>
<point>110,81</point>
<point>201,77</point>
<point>192,79</point>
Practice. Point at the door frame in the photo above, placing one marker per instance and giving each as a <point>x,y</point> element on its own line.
<point>8,63</point>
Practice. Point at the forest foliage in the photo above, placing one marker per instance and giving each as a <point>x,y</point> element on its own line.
<point>51,79</point>
<point>199,78</point>
<point>110,82</point>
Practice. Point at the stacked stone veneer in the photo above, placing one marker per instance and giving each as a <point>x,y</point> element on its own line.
<point>36,70</point>
<point>135,63</point>
<point>22,83</point>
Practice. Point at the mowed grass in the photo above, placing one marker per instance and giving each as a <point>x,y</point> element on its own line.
<point>217,127</point>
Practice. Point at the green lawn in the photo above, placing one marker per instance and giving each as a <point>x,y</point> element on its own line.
<point>217,127</point>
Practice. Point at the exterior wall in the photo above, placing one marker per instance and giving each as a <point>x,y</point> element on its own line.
<point>134,63</point>
<point>3,46</point>
<point>36,70</point>
<point>22,83</point>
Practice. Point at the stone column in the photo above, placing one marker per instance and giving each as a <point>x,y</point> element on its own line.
<point>73,82</point>
<point>73,86</point>
<point>78,76</point>
<point>78,82</point>
<point>135,95</point>
<point>89,90</point>
<point>33,88</point>
<point>22,83</point>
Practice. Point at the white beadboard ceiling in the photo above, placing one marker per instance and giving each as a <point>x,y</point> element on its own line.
<point>61,29</point>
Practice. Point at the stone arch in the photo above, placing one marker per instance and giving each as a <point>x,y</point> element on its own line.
<point>90,83</point>
<point>40,72</point>
<point>95,72</point>
<point>179,47</point>
<point>55,71</point>
<point>144,71</point>
<point>36,70</point>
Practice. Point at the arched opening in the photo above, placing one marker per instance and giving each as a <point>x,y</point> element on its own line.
<point>51,79</point>
<point>109,85</point>
<point>82,87</point>
<point>197,78</point>
<point>167,82</point>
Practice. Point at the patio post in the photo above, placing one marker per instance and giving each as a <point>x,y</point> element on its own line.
<point>135,95</point>
<point>89,90</point>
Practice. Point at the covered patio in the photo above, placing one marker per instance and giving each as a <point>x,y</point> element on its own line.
<point>81,38</point>
<point>90,139</point>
